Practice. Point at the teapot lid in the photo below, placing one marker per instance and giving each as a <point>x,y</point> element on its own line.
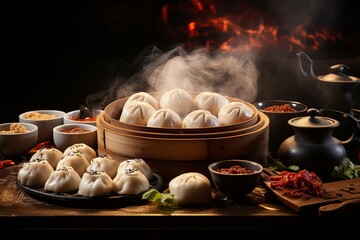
<point>337,76</point>
<point>313,120</point>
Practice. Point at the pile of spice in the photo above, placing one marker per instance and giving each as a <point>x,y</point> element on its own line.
<point>39,116</point>
<point>296,185</point>
<point>15,128</point>
<point>280,108</point>
<point>236,169</point>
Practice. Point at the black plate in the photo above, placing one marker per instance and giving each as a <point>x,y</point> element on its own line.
<point>76,200</point>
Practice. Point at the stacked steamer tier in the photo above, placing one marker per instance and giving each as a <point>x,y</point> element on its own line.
<point>171,152</point>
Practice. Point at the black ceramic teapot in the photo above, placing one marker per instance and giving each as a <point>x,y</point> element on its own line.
<point>313,147</point>
<point>349,85</point>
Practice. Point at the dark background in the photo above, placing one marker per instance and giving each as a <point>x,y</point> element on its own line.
<point>56,53</point>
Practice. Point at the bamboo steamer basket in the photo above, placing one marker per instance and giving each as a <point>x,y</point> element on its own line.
<point>171,152</point>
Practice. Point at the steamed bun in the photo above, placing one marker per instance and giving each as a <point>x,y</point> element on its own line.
<point>75,160</point>
<point>52,155</point>
<point>83,149</point>
<point>130,181</point>
<point>138,164</point>
<point>191,188</point>
<point>199,119</point>
<point>235,112</point>
<point>35,173</point>
<point>95,184</point>
<point>177,100</point>
<point>164,118</point>
<point>210,101</point>
<point>104,164</point>
<point>137,113</point>
<point>142,97</point>
<point>64,179</point>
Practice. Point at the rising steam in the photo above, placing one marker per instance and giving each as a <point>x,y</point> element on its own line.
<point>231,74</point>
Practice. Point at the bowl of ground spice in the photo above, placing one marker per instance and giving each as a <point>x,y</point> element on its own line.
<point>279,113</point>
<point>16,139</point>
<point>46,120</point>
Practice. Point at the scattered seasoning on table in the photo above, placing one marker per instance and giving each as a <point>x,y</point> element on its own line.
<point>280,108</point>
<point>236,169</point>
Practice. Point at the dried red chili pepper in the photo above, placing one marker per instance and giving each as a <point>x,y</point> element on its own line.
<point>6,162</point>
<point>41,145</point>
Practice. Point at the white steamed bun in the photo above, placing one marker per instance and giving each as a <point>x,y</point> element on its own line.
<point>75,160</point>
<point>164,118</point>
<point>82,148</point>
<point>210,101</point>
<point>104,164</point>
<point>234,112</point>
<point>62,180</point>
<point>177,100</point>
<point>199,119</point>
<point>95,183</point>
<point>35,173</point>
<point>130,181</point>
<point>191,188</point>
<point>138,164</point>
<point>52,155</point>
<point>142,97</point>
<point>137,113</point>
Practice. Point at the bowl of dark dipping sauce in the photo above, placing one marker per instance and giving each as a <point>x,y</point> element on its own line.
<point>235,178</point>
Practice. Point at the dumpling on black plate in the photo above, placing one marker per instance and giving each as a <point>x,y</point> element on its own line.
<point>137,163</point>
<point>35,173</point>
<point>75,160</point>
<point>95,183</point>
<point>62,180</point>
<point>82,148</point>
<point>52,155</point>
<point>104,164</point>
<point>130,181</point>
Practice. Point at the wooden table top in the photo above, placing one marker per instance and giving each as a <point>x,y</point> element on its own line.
<point>257,214</point>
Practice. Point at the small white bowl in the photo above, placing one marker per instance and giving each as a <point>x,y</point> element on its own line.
<point>75,113</point>
<point>63,139</point>
<point>45,125</point>
<point>17,144</point>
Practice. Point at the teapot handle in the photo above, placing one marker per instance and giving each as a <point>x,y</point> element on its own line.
<point>353,142</point>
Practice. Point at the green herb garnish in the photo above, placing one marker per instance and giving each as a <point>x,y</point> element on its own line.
<point>346,170</point>
<point>163,199</point>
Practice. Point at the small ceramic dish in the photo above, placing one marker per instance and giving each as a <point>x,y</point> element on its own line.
<point>46,120</point>
<point>17,139</point>
<point>235,178</point>
<point>66,135</point>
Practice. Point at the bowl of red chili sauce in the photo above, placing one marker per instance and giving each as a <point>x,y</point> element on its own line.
<point>235,178</point>
<point>66,135</point>
<point>77,117</point>
<point>279,113</point>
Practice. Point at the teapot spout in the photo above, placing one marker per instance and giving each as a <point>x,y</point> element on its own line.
<point>305,60</point>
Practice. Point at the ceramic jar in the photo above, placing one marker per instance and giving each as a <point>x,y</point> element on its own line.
<point>313,146</point>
